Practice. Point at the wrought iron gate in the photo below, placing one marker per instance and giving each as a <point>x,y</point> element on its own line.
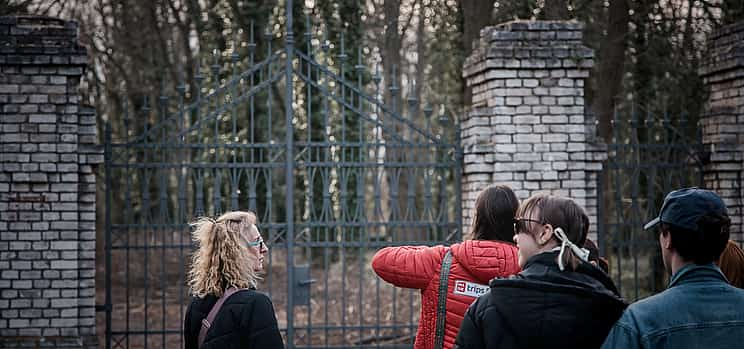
<point>650,154</point>
<point>332,172</point>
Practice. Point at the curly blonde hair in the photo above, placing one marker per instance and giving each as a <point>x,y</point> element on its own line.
<point>221,260</point>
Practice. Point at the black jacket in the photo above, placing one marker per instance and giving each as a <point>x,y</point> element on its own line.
<point>246,320</point>
<point>543,307</point>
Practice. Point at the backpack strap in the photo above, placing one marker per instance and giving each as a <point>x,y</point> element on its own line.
<point>206,323</point>
<point>442,301</point>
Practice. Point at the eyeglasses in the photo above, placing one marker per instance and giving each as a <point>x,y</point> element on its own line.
<point>260,244</point>
<point>520,224</point>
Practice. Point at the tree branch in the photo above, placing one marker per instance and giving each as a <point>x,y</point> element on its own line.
<point>408,21</point>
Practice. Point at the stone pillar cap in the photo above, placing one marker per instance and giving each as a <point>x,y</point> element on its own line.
<point>726,52</point>
<point>38,35</point>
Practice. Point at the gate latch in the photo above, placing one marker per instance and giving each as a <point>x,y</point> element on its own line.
<point>301,289</point>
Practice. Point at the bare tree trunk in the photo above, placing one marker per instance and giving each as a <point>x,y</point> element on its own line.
<point>733,11</point>
<point>421,57</point>
<point>418,94</point>
<point>611,66</point>
<point>391,60</point>
<point>555,10</point>
<point>609,80</point>
<point>391,57</point>
<point>477,15</point>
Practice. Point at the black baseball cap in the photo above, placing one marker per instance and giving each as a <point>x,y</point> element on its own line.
<point>684,207</point>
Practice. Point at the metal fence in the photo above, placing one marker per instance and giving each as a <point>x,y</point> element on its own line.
<point>650,154</point>
<point>331,171</point>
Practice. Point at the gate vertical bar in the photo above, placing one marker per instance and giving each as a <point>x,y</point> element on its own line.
<point>289,168</point>
<point>107,304</point>
<point>600,212</point>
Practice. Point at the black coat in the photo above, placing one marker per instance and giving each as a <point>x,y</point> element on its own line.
<point>543,307</point>
<point>246,320</point>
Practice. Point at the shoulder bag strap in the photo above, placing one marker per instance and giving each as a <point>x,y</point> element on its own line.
<point>442,301</point>
<point>207,322</point>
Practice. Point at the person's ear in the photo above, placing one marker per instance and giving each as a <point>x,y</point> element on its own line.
<point>546,233</point>
<point>665,239</point>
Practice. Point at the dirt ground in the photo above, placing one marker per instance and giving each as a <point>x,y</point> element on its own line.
<point>349,304</point>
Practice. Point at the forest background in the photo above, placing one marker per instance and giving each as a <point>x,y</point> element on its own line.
<point>647,51</point>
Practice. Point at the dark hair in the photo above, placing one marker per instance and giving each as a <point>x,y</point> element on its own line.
<point>594,256</point>
<point>561,213</point>
<point>701,247</point>
<point>494,214</point>
<point>732,264</point>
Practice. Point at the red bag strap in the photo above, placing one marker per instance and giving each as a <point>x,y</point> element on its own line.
<point>207,322</point>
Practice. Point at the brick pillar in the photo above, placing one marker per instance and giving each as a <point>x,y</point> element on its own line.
<point>47,188</point>
<point>723,121</point>
<point>526,126</point>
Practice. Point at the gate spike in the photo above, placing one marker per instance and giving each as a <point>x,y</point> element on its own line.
<point>443,117</point>
<point>235,56</point>
<point>664,113</point>
<point>427,117</point>
<point>444,123</point>
<point>198,77</point>
<point>428,111</point>
<point>377,78</point>
<point>251,42</point>
<point>342,56</point>
<point>163,100</point>
<point>125,110</point>
<point>181,88</point>
<point>412,100</point>
<point>324,45</point>
<point>163,110</point>
<point>146,104</point>
<point>359,67</point>
<point>146,113</point>
<point>308,36</point>
<point>615,122</point>
<point>649,119</point>
<point>393,88</point>
<point>666,121</point>
<point>216,64</point>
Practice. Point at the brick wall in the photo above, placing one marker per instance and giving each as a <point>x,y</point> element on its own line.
<point>723,122</point>
<point>47,187</point>
<point>526,127</point>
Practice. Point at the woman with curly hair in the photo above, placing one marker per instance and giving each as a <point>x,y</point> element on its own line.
<point>226,311</point>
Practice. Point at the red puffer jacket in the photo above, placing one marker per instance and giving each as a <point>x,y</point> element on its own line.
<point>474,263</point>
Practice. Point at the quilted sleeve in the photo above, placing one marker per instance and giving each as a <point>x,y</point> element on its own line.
<point>408,266</point>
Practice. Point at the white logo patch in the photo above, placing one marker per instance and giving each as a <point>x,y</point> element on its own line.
<point>470,289</point>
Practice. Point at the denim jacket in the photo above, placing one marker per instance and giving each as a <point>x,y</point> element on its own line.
<point>699,309</point>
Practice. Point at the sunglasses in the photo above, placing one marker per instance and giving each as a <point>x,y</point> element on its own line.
<point>520,224</point>
<point>259,243</point>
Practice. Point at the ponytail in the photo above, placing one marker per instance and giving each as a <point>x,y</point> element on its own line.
<point>570,259</point>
